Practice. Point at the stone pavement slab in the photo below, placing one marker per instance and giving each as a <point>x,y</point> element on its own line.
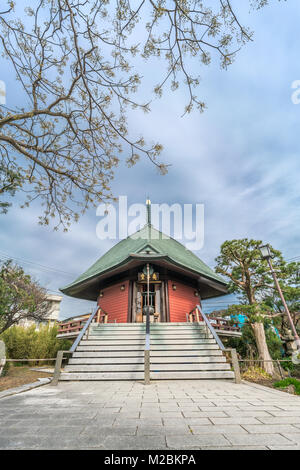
<point>190,442</point>
<point>164,415</point>
<point>269,428</point>
<point>218,429</point>
<point>294,437</point>
<point>257,439</point>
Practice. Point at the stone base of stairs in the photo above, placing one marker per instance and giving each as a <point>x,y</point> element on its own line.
<point>178,351</point>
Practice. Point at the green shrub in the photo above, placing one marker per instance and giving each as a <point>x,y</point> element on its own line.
<point>296,371</point>
<point>289,381</point>
<point>287,365</point>
<point>291,368</point>
<point>274,344</point>
<point>246,344</point>
<point>31,343</point>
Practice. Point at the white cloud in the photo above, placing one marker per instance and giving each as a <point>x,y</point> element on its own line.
<point>239,158</point>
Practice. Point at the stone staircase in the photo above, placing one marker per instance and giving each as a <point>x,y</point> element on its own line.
<point>186,351</point>
<point>115,351</point>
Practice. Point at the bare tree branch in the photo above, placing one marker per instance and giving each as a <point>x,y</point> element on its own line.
<point>74,62</point>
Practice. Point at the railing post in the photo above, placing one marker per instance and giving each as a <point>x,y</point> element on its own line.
<point>58,363</point>
<point>279,368</point>
<point>147,366</point>
<point>147,349</point>
<point>235,365</point>
<point>147,336</point>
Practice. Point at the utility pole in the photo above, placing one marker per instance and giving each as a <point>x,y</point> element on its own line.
<point>266,254</point>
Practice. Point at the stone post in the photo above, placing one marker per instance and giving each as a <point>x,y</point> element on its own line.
<point>236,367</point>
<point>2,356</point>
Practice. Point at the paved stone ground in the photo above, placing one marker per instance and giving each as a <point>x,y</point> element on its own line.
<point>164,415</point>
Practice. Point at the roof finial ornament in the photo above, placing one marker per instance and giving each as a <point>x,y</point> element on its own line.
<point>148,204</point>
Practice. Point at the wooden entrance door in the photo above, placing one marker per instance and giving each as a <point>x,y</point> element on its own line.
<point>140,300</point>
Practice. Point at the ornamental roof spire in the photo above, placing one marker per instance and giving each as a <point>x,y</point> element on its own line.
<point>148,204</point>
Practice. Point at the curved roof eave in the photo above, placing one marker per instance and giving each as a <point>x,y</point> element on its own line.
<point>74,287</point>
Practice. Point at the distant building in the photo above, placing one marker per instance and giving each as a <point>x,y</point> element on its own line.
<point>53,315</point>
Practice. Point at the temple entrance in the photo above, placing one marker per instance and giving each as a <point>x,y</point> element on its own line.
<point>156,300</point>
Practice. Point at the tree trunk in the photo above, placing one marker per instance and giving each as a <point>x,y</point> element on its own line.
<point>263,351</point>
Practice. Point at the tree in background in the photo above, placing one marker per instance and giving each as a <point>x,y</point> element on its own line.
<point>246,344</point>
<point>250,277</point>
<point>75,62</point>
<point>21,297</point>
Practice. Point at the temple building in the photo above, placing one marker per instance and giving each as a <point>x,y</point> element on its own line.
<point>179,280</point>
<point>148,324</point>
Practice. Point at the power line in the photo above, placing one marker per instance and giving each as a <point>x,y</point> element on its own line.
<point>41,266</point>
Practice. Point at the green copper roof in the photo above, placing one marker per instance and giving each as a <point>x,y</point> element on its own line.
<point>148,242</point>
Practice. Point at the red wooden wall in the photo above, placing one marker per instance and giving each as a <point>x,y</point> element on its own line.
<point>115,302</point>
<point>181,301</point>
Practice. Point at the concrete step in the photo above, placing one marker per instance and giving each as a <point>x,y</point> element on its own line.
<point>104,368</point>
<point>111,348</point>
<point>140,347</point>
<point>166,340</point>
<point>179,331</point>
<point>101,376</point>
<point>104,341</point>
<point>140,353</point>
<point>114,338</point>
<point>154,335</point>
<point>140,367</point>
<point>161,340</point>
<point>106,360</point>
<point>188,352</point>
<point>189,367</point>
<point>204,375</point>
<point>180,335</point>
<point>154,360</point>
<point>117,334</point>
<point>153,342</point>
<point>153,327</point>
<point>179,347</point>
<point>186,359</point>
<point>107,354</point>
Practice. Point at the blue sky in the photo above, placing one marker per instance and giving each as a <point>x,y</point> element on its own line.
<point>240,158</point>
